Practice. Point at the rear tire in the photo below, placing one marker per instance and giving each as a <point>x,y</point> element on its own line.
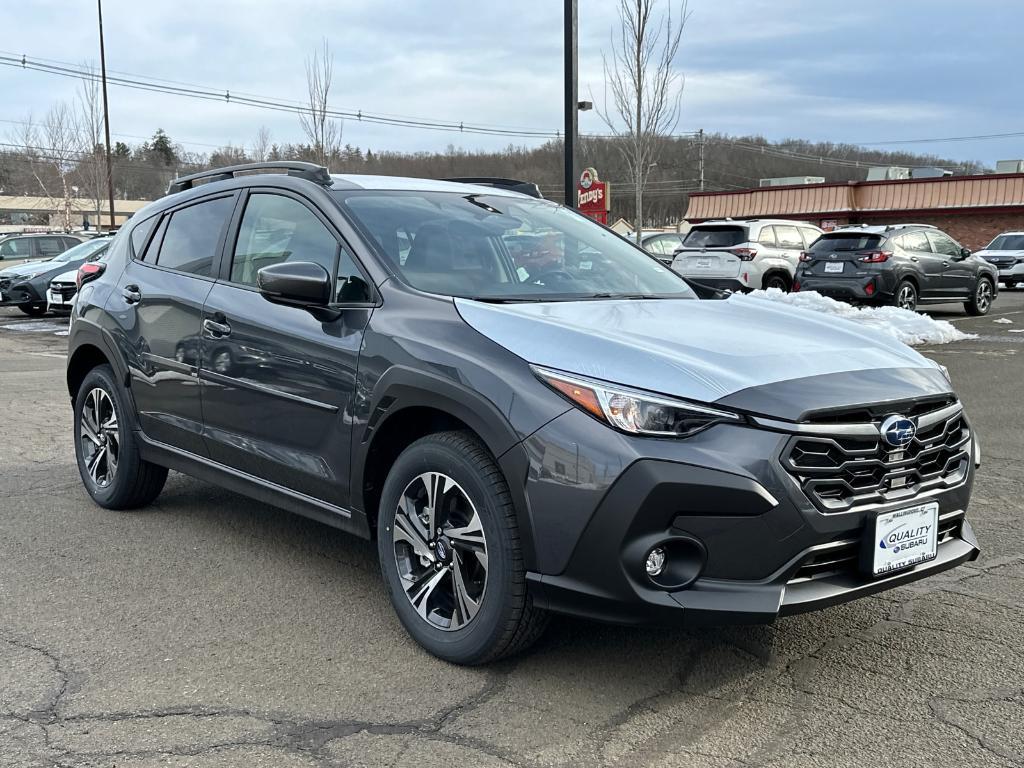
<point>112,470</point>
<point>450,552</point>
<point>776,280</point>
<point>981,298</point>
<point>905,296</point>
<point>33,310</point>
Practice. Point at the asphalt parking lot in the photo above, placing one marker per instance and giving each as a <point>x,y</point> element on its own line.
<point>211,630</point>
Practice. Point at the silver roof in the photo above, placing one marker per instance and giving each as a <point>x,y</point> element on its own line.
<point>361,181</point>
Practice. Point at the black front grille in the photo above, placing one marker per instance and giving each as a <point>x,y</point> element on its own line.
<point>66,290</point>
<point>842,473</point>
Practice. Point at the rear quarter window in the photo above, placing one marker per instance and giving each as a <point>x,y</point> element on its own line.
<point>715,237</point>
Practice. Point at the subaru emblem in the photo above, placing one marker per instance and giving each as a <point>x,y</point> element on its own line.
<point>832,255</point>
<point>898,431</point>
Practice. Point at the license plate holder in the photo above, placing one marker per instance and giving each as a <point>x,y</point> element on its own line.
<point>832,267</point>
<point>901,539</point>
<point>703,263</point>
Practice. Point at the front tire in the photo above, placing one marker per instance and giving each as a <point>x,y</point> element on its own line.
<point>981,300</point>
<point>112,470</point>
<point>450,552</point>
<point>905,296</point>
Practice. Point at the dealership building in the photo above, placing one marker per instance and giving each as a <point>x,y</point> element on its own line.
<point>973,209</point>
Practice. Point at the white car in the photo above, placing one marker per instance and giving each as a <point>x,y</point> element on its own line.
<point>1006,253</point>
<point>60,296</point>
<point>744,255</point>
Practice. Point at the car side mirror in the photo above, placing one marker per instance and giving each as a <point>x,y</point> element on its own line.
<point>296,284</point>
<point>965,253</point>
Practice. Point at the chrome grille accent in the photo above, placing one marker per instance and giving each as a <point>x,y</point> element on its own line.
<point>845,472</point>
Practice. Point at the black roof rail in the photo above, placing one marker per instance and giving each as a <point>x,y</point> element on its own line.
<point>523,187</point>
<point>308,171</point>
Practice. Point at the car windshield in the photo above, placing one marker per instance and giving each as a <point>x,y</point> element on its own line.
<point>1006,243</point>
<point>504,248</point>
<point>715,237</point>
<point>845,241</point>
<point>81,251</point>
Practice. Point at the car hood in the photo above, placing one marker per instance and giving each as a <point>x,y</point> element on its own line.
<point>712,351</point>
<point>984,253</point>
<point>70,276</point>
<point>28,268</point>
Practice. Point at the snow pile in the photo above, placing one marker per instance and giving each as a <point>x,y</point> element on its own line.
<point>1003,321</point>
<point>906,326</point>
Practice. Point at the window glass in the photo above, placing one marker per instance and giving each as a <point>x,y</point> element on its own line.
<point>657,245</point>
<point>845,241</point>
<point>140,234</point>
<point>767,236</point>
<point>50,246</point>
<point>504,248</point>
<point>943,244</point>
<point>16,248</point>
<point>914,241</point>
<point>810,235</point>
<point>788,237</point>
<point>715,237</point>
<point>1006,243</point>
<point>192,235</point>
<point>83,250</point>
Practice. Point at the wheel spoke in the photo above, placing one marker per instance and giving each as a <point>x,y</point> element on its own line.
<point>471,534</point>
<point>94,464</point>
<point>465,606</point>
<point>437,486</point>
<point>419,591</point>
<point>407,530</point>
<point>88,431</point>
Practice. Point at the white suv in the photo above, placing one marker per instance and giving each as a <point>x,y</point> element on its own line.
<point>1006,253</point>
<point>744,255</point>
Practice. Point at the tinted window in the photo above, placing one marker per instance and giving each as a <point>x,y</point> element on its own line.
<point>504,247</point>
<point>50,246</point>
<point>140,234</point>
<point>1007,243</point>
<point>715,237</point>
<point>16,248</point>
<point>914,241</point>
<point>767,236</point>
<point>845,241</point>
<point>192,235</point>
<point>277,229</point>
<point>788,237</point>
<point>943,244</point>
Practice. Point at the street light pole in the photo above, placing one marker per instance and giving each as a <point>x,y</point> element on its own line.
<point>571,103</point>
<point>106,115</point>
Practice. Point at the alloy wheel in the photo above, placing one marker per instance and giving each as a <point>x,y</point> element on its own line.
<point>983,296</point>
<point>906,298</point>
<point>440,550</point>
<point>100,436</point>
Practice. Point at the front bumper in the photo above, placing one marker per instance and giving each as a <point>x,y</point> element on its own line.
<point>1014,273</point>
<point>21,293</point>
<point>751,546</point>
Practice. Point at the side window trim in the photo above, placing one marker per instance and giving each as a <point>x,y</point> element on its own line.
<point>157,237</point>
<point>231,243</point>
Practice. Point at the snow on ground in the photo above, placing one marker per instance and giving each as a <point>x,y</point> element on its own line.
<point>908,327</point>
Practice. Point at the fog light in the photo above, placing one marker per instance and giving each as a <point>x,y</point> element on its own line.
<point>655,562</point>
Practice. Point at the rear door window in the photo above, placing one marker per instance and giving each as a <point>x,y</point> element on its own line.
<point>788,237</point>
<point>50,246</point>
<point>193,235</point>
<point>915,241</point>
<point>715,237</point>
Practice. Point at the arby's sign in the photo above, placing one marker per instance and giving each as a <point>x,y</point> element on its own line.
<point>593,196</point>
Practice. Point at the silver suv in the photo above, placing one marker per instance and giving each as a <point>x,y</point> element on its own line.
<point>744,255</point>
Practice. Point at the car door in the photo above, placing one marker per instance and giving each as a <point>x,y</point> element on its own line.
<point>278,383</point>
<point>789,245</point>
<point>924,264</point>
<point>158,306</point>
<point>958,273</point>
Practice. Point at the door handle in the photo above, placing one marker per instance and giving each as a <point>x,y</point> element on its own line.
<point>131,294</point>
<point>215,329</point>
<point>914,258</point>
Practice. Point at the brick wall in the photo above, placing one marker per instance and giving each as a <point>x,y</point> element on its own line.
<point>973,230</point>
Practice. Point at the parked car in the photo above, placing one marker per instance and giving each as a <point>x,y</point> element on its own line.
<point>904,265</point>
<point>579,435</point>
<point>60,295</point>
<point>662,245</point>
<point>26,285</point>
<point>744,255</point>
<point>1006,253</point>
<point>25,247</point>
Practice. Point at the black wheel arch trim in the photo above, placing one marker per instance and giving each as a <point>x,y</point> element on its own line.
<point>85,333</point>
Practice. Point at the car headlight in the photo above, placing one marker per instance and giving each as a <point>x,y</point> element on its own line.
<point>634,411</point>
<point>941,367</point>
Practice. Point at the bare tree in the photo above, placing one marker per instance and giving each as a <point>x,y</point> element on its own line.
<point>646,90</point>
<point>92,169</point>
<point>261,145</point>
<point>322,130</point>
<point>53,150</point>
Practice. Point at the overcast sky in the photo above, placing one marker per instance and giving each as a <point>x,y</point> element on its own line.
<point>865,71</point>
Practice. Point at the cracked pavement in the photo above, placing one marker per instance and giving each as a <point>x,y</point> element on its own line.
<point>211,631</point>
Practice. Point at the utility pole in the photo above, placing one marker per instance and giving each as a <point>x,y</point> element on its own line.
<point>571,103</point>
<point>106,116</point>
<point>700,147</point>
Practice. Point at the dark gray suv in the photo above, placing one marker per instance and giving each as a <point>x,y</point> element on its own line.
<point>526,411</point>
<point>904,265</point>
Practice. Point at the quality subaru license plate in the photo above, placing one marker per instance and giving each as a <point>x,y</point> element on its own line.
<point>704,263</point>
<point>836,266</point>
<point>905,538</point>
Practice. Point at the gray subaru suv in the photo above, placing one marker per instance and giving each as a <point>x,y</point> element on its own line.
<point>526,412</point>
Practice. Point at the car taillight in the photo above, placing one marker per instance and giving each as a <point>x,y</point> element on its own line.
<point>869,289</point>
<point>875,257</point>
<point>745,254</point>
<point>805,256</point>
<point>796,286</point>
<point>89,271</point>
